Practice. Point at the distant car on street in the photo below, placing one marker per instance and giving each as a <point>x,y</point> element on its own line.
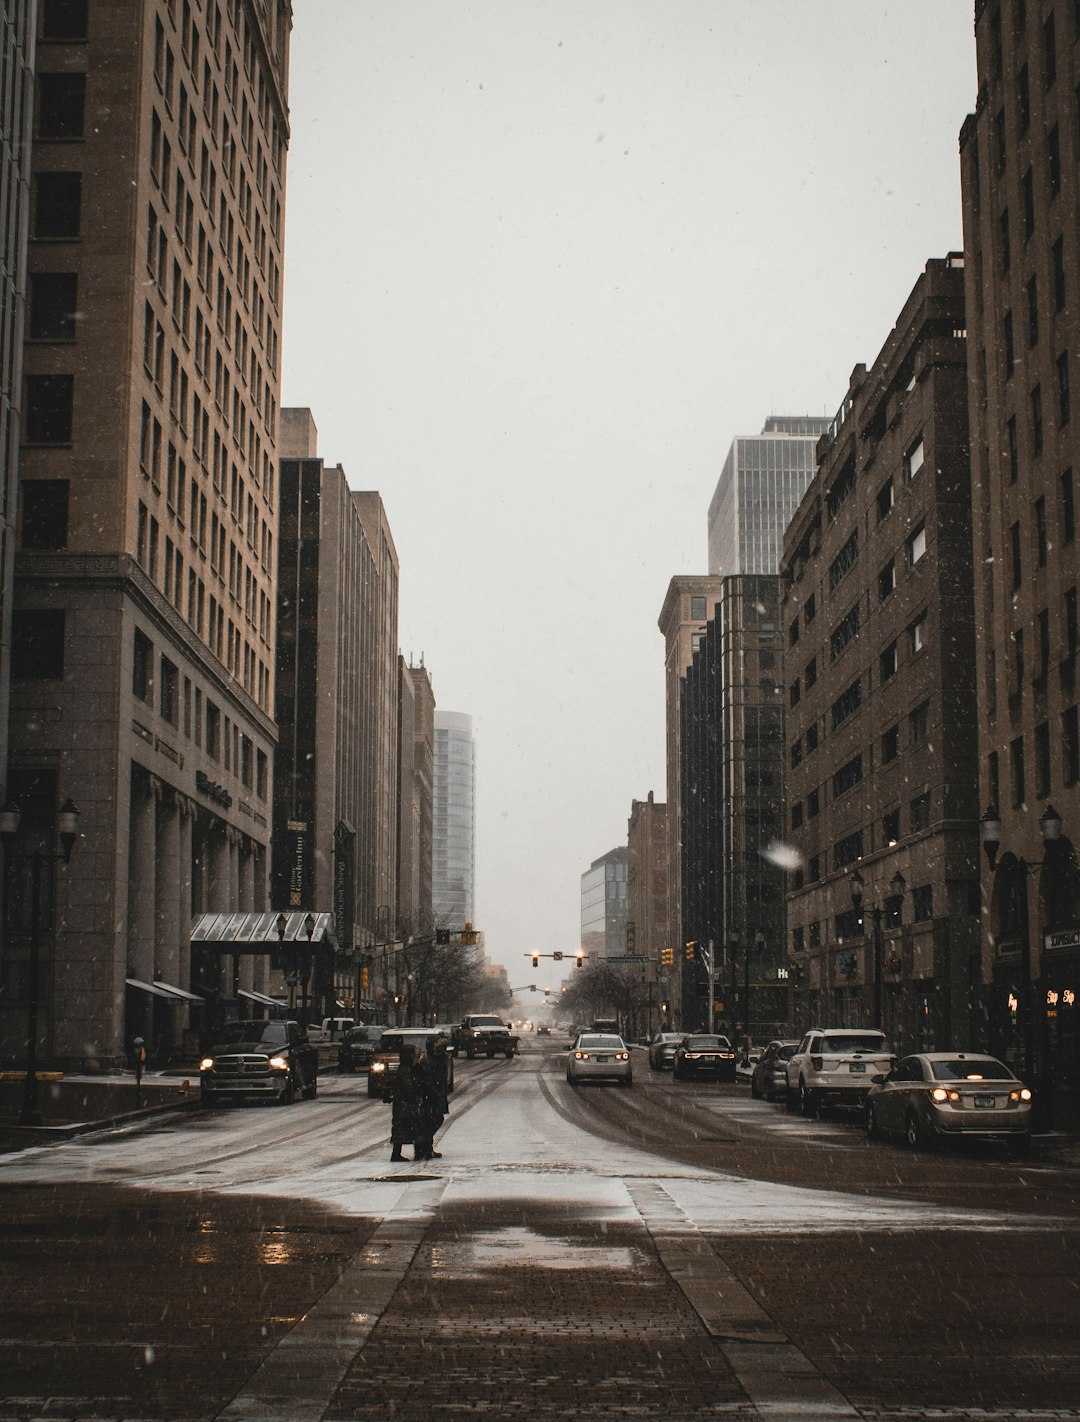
<point>704,1055</point>
<point>357,1047</point>
<point>543,1030</point>
<point>938,1096</point>
<point>768,1080</point>
<point>599,1056</point>
<point>387,1058</point>
<point>662,1050</point>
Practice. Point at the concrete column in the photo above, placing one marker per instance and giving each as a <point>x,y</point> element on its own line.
<point>244,903</point>
<point>184,909</point>
<point>259,904</point>
<point>172,1017</point>
<point>141,894</point>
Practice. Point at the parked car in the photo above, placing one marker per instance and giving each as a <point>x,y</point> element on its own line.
<point>662,1050</point>
<point>387,1058</point>
<point>745,1064</point>
<point>938,1096</point>
<point>768,1080</point>
<point>835,1068</point>
<point>599,1056</point>
<point>704,1055</point>
<point>250,1060</point>
<point>357,1047</point>
<point>331,1029</point>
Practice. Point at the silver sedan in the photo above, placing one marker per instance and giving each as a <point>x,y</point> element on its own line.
<point>599,1056</point>
<point>936,1096</point>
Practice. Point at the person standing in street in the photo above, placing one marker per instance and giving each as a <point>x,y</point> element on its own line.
<point>409,1119</point>
<point>437,1097</point>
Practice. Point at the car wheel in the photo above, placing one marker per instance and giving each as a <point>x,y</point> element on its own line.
<point>755,1094</point>
<point>509,1056</point>
<point>808,1106</point>
<point>373,1090</point>
<point>872,1130</point>
<point>490,1055</point>
<point>791,1101</point>
<point>309,1091</point>
<point>570,1081</point>
<point>916,1134</point>
<point>205,1098</point>
<point>288,1092</point>
<point>470,1055</point>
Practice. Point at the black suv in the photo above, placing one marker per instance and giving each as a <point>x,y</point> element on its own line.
<point>251,1060</point>
<point>357,1047</point>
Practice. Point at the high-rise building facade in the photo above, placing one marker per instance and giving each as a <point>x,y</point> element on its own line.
<point>18,34</point>
<point>646,880</point>
<point>604,906</point>
<point>883,911</point>
<point>454,829</point>
<point>416,790</point>
<point>1020,160</point>
<point>763,479</point>
<point>144,624</point>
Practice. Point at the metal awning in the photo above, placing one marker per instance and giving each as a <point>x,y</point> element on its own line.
<point>258,932</point>
<point>179,992</point>
<point>259,997</point>
<point>150,988</point>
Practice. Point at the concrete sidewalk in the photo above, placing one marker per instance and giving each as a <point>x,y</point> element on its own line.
<point>73,1105</point>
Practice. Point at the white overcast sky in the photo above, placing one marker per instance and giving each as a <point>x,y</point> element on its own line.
<point>544,260</point>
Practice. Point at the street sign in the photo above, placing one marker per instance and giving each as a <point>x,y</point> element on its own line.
<point>627,958</point>
<point>557,957</point>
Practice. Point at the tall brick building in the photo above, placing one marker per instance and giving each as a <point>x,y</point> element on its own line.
<point>144,625</point>
<point>881,709</point>
<point>1020,158</point>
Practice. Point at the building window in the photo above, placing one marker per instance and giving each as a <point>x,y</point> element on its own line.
<point>797,815</point>
<point>793,633</point>
<point>797,942</point>
<point>246,756</point>
<point>1000,142</point>
<point>57,205</point>
<point>887,662</point>
<point>37,644</point>
<point>48,409</point>
<point>919,722</point>
<point>845,560</point>
<point>1042,759</point>
<point>1016,757</point>
<point>844,631</point>
<point>815,928</point>
<point>142,674</point>
<point>260,774</point>
<point>1008,347</point>
<point>1049,51</point>
<point>53,301</point>
<point>213,730</point>
<point>848,850</point>
<point>44,513</point>
<point>887,580</point>
<point>1013,449</point>
<point>1058,254</point>
<point>810,673</point>
<point>1041,543</point>
<point>890,744</point>
<point>922,899</point>
<point>847,777</point>
<point>917,633</point>
<point>1071,630</point>
<point>813,804</point>
<point>884,499</point>
<point>1053,161</point>
<point>170,692</point>
<point>1004,250</point>
<point>842,486</point>
<point>696,639</point>
<point>1070,737</point>
<point>1028,186</point>
<point>920,814</point>
<point>890,827</point>
<point>1036,420</point>
<point>810,610</point>
<point>794,693</point>
<point>1063,389</point>
<point>61,104</point>
<point>914,459</point>
<point>1068,511</point>
<point>64,19</point>
<point>916,545</point>
<point>847,703</point>
<point>1023,100</point>
<point>811,738</point>
<point>1043,621</point>
<point>796,753</point>
<point>1018,662</point>
<point>1032,291</point>
<point>1017,555</point>
<point>697,609</point>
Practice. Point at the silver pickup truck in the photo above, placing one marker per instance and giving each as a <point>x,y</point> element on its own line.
<point>480,1036</point>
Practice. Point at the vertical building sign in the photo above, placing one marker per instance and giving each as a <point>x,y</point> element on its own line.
<point>299,868</point>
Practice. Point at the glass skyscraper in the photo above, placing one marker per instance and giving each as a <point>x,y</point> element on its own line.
<point>454,839</point>
<point>761,485</point>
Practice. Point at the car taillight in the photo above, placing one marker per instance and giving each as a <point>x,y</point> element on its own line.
<point>622,1056</point>
<point>817,1062</point>
<point>1022,1095</point>
<point>582,1056</point>
<point>940,1094</point>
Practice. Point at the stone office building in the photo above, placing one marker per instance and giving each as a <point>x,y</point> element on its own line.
<point>881,706</point>
<point>1020,164</point>
<point>144,623</point>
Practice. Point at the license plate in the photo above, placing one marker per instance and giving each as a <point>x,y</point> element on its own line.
<point>985,1101</point>
<point>602,1059</point>
<point>856,1066</point>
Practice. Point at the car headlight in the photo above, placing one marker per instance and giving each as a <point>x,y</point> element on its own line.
<point>206,1063</point>
<point>378,1066</point>
<point>279,1064</point>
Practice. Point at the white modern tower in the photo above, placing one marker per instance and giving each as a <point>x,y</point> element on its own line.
<point>454,843</point>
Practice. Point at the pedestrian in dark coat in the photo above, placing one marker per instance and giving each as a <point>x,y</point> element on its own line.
<point>437,1096</point>
<point>408,1122</point>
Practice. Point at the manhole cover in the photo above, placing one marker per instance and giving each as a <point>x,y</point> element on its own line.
<point>395,1179</point>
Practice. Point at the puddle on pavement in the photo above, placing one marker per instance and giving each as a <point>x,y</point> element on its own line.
<point>519,1246</point>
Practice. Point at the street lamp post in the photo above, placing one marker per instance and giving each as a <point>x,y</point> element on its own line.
<point>990,832</point>
<point>758,945</point>
<point>898,885</point>
<point>68,822</point>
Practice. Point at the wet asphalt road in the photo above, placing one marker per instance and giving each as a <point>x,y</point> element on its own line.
<point>673,1251</point>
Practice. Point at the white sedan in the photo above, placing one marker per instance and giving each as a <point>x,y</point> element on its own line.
<point>599,1056</point>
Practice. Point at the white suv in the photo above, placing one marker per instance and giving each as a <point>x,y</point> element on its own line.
<point>835,1067</point>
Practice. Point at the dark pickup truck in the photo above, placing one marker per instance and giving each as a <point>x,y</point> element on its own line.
<point>259,1060</point>
<point>479,1036</point>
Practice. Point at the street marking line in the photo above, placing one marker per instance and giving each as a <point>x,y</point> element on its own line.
<point>775,1375</point>
<point>298,1380</point>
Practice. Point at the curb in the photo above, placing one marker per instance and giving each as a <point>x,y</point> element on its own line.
<point>13,1138</point>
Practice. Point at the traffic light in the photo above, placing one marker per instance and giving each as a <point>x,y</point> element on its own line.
<point>536,960</point>
<point>691,949</point>
<point>580,958</point>
<point>442,937</point>
<point>468,935</point>
<point>365,979</point>
<point>667,957</point>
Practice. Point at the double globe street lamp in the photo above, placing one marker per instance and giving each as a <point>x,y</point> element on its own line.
<point>857,885</point>
<point>68,826</point>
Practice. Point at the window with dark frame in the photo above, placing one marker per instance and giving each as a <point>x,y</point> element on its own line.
<point>887,662</point>
<point>922,900</point>
<point>169,691</point>
<point>1063,389</point>
<point>890,744</point>
<point>1053,162</point>
<point>1068,509</point>
<point>64,19</point>
<point>37,644</point>
<point>57,205</point>
<point>1072,625</point>
<point>1032,292</point>
<point>1036,420</point>
<point>1023,100</point>
<point>1017,555</point>
<point>920,813</point>
<point>1041,540</point>
<point>61,105</point>
<point>890,827</point>
<point>919,723</point>
<point>1028,190</point>
<point>48,410</point>
<point>1016,758</point>
<point>1057,253</point>
<point>142,668</point>
<point>1042,759</point>
<point>1070,739</point>
<point>1008,348</point>
<point>53,302</point>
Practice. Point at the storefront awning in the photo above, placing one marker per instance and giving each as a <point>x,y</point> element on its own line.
<point>140,986</point>
<point>259,997</point>
<point>179,992</point>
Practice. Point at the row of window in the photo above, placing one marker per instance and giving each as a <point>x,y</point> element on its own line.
<point>1042,746</point>
<point>851,773</point>
<point>852,923</point>
<point>159,684</point>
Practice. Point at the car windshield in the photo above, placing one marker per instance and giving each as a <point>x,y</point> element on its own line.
<point>392,1041</point>
<point>784,1054</point>
<point>855,1042</point>
<point>486,1022</point>
<point>253,1036</point>
<point>596,1039</point>
<point>971,1069</point>
<point>704,1044</point>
